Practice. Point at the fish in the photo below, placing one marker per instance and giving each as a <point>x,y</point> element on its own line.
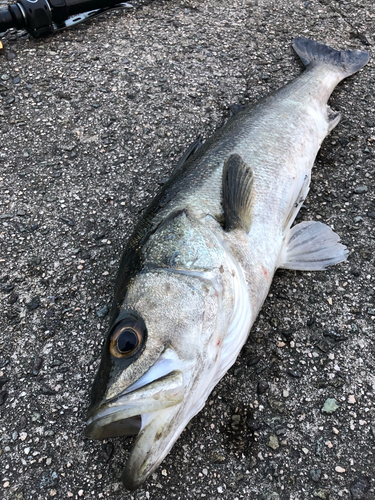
<point>198,267</point>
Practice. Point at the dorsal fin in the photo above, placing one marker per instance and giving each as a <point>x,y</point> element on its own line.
<point>190,151</point>
<point>238,193</point>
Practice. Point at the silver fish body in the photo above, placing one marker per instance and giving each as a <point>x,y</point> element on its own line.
<point>199,265</point>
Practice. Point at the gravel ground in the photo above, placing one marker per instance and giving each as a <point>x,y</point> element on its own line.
<point>93,121</point>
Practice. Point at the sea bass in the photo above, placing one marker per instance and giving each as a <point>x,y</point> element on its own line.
<point>198,267</point>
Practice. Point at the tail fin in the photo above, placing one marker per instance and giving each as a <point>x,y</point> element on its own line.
<point>349,61</point>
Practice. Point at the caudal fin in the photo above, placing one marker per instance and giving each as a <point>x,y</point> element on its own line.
<point>349,61</point>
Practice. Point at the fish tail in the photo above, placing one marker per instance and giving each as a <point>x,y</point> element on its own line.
<point>348,61</point>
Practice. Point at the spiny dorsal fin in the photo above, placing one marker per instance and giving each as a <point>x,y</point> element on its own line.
<point>190,151</point>
<point>238,193</point>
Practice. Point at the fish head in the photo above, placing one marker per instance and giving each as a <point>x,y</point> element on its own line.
<point>161,353</point>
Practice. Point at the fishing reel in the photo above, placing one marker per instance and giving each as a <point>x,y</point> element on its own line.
<point>44,17</point>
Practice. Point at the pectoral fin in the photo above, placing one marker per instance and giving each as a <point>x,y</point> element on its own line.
<point>238,193</point>
<point>311,246</point>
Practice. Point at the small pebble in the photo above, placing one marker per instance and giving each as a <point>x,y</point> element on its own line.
<point>33,304</point>
<point>102,312</point>
<point>315,474</point>
<point>323,494</point>
<point>273,442</point>
<point>37,365</point>
<point>339,469</point>
<point>351,399</point>
<point>360,189</point>
<point>330,406</point>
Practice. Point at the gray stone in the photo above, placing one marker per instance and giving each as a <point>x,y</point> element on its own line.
<point>315,474</point>
<point>359,488</point>
<point>330,406</point>
<point>273,442</point>
<point>360,189</point>
<point>102,312</point>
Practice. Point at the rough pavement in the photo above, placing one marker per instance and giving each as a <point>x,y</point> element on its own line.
<point>93,121</point>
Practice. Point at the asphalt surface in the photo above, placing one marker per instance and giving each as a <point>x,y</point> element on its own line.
<point>93,121</point>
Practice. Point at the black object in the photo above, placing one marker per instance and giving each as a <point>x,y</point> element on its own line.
<point>43,17</point>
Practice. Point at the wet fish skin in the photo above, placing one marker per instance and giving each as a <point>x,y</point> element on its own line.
<point>200,263</point>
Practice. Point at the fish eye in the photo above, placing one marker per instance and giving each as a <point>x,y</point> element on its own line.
<point>126,338</point>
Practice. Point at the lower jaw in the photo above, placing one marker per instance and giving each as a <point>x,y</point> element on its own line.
<point>126,427</point>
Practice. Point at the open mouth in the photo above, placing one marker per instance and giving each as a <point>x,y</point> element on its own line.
<point>129,412</point>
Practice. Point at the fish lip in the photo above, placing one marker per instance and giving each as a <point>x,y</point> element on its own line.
<point>152,444</point>
<point>128,407</point>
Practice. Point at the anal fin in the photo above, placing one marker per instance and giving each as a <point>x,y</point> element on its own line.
<point>312,246</point>
<point>238,193</point>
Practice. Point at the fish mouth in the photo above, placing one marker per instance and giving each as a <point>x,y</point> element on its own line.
<point>123,415</point>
